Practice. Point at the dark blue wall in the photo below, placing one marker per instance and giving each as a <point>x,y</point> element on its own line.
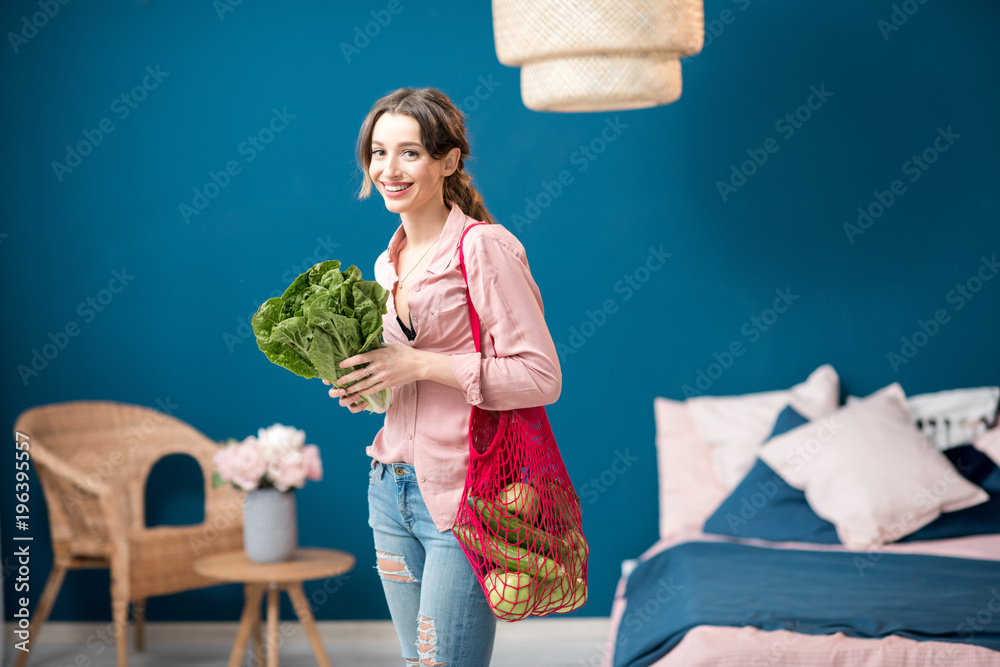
<point>176,336</point>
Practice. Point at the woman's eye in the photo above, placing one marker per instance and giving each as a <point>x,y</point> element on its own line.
<point>377,150</point>
<point>414,153</point>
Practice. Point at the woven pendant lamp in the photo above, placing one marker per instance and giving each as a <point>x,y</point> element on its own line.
<point>598,55</point>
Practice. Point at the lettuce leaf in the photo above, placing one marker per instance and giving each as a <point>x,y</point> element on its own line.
<point>325,316</point>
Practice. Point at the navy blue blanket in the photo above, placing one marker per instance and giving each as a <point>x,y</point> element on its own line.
<point>811,592</point>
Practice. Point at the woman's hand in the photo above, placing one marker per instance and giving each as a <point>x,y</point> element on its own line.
<point>390,366</point>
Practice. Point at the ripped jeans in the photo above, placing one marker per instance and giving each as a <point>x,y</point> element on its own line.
<point>438,607</point>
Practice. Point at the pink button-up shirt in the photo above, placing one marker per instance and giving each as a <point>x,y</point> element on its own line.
<point>428,422</point>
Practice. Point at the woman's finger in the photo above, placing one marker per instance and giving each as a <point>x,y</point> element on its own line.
<point>325,381</point>
<point>356,360</point>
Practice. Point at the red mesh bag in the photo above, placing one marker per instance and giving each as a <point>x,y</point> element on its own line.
<point>519,520</point>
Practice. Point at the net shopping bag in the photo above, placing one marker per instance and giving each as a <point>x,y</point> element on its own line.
<point>519,521</point>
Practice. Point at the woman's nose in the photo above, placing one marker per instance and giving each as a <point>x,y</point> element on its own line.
<point>392,166</point>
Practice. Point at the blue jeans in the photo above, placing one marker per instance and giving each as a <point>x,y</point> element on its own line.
<point>437,605</point>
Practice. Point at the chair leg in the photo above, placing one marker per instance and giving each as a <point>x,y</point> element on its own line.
<point>119,613</point>
<point>52,586</point>
<point>139,610</point>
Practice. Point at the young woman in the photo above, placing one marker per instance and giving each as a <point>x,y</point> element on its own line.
<point>411,148</point>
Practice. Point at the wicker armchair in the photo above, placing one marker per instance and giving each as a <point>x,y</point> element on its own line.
<point>93,459</point>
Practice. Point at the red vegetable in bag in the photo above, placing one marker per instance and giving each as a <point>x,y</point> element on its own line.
<point>519,522</point>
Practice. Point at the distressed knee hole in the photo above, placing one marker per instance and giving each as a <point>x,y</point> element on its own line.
<point>392,567</point>
<point>427,642</point>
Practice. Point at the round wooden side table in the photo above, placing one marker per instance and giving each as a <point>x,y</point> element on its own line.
<point>305,565</point>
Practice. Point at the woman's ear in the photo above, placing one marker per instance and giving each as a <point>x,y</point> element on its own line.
<point>451,160</point>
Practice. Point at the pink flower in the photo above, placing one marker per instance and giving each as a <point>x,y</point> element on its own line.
<point>277,456</point>
<point>221,460</point>
<point>314,466</point>
<point>287,470</point>
<point>247,464</point>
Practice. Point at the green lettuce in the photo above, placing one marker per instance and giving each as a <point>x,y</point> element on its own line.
<point>325,316</point>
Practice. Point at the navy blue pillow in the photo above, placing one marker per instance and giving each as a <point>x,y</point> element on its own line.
<point>980,519</point>
<point>764,506</point>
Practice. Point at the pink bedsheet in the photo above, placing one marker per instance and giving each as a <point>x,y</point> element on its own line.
<point>711,646</point>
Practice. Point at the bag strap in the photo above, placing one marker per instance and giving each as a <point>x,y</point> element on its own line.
<point>473,315</point>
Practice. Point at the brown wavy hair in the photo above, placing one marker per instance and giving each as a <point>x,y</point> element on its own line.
<point>442,127</point>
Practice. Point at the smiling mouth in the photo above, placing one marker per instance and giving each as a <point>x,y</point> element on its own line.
<point>398,188</point>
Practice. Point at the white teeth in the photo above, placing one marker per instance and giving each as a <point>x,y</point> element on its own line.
<point>397,188</point>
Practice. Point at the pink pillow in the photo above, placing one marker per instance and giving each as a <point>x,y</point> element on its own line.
<point>689,489</point>
<point>869,471</point>
<point>735,426</point>
<point>989,444</point>
<point>705,445</point>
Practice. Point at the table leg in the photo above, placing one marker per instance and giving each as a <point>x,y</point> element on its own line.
<point>258,643</point>
<point>272,626</point>
<point>305,615</point>
<point>251,609</point>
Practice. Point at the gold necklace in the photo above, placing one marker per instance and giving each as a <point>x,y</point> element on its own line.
<point>418,261</point>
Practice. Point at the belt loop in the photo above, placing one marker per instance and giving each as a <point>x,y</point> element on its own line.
<point>379,469</point>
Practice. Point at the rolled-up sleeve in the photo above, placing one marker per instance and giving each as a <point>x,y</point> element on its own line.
<point>525,371</point>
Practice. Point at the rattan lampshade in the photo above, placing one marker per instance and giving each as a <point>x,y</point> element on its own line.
<point>597,55</point>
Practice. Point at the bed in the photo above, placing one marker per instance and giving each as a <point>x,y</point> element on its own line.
<point>798,532</point>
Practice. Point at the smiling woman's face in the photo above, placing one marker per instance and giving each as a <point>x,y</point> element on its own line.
<point>399,160</point>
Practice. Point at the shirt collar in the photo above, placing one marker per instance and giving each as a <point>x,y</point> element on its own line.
<point>447,246</point>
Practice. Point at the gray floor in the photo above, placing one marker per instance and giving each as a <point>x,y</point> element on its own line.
<point>542,642</point>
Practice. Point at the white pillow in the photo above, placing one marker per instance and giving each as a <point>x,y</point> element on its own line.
<point>870,472</point>
<point>735,426</point>
<point>953,417</point>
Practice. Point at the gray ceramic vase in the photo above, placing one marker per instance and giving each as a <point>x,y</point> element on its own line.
<point>270,525</point>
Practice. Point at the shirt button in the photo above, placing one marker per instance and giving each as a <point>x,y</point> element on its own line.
<point>412,392</point>
<point>417,288</point>
<point>432,312</point>
<point>423,479</point>
<point>409,437</point>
